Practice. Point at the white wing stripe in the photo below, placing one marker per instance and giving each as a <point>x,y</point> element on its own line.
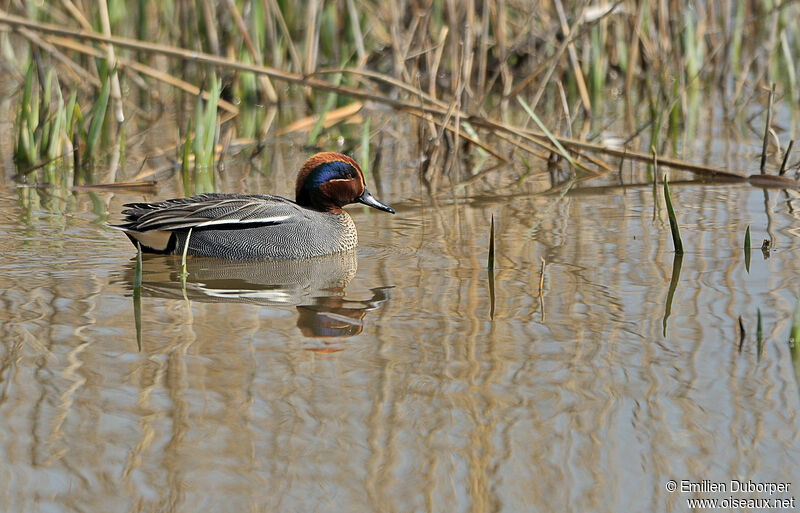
<point>213,222</point>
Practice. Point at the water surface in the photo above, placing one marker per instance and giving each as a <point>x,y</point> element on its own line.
<point>382,381</point>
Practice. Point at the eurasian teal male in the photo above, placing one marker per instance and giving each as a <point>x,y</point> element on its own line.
<point>259,225</point>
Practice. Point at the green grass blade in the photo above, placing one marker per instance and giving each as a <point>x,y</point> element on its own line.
<point>54,146</point>
<point>794,343</point>
<point>330,103</point>
<point>549,135</point>
<point>673,221</point>
<point>794,334</point>
<point>747,238</point>
<point>187,144</point>
<point>490,262</point>
<point>25,150</point>
<point>677,263</point>
<point>96,125</point>
<point>199,132</point>
<point>210,121</point>
<point>759,335</point>
<point>491,294</point>
<point>747,249</point>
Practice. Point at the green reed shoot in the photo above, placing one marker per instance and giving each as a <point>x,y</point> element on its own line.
<point>98,116</point>
<point>43,126</point>
<point>186,151</point>
<point>330,103</point>
<point>25,149</point>
<point>490,262</point>
<point>547,132</point>
<point>794,343</point>
<point>794,334</point>
<point>490,267</point>
<point>747,239</point>
<point>747,249</point>
<point>767,125</point>
<point>598,62</point>
<point>206,126</point>
<point>137,278</point>
<point>693,50</point>
<point>790,66</point>
<point>736,37</point>
<point>786,154</point>
<point>759,334</point>
<point>673,221</point>
<point>677,264</point>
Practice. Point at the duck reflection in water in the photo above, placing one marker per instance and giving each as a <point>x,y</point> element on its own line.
<point>335,316</point>
<point>314,286</point>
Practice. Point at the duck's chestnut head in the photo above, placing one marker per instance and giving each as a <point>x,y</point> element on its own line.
<point>328,181</point>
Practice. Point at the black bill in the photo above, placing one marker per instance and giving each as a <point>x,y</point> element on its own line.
<point>369,200</point>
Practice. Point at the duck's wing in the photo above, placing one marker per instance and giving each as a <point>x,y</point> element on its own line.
<point>229,211</point>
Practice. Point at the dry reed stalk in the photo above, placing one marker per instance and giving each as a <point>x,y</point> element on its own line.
<point>483,52</point>
<point>141,68</point>
<point>462,81</point>
<point>573,57</point>
<point>211,27</point>
<point>143,184</point>
<point>437,59</point>
<point>683,165</point>
<point>406,45</point>
<point>398,64</point>
<point>331,118</point>
<point>455,27</point>
<point>556,57</point>
<point>424,107</point>
<point>467,57</point>
<point>480,144</point>
<point>77,14</point>
<point>116,92</point>
<point>311,42</point>
<point>266,83</point>
<point>357,35</point>
<point>208,59</point>
<point>633,58</point>
<point>448,110</point>
<point>565,106</point>
<point>506,77</point>
<point>79,74</point>
<point>274,10</point>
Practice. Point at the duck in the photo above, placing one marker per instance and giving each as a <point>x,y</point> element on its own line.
<point>259,226</point>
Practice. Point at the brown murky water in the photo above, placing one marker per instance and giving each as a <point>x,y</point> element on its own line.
<point>380,381</point>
